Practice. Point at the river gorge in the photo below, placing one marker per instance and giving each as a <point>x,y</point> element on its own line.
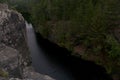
<point>26,55</point>
<point>50,59</point>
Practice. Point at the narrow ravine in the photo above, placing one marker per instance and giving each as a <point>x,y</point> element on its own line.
<point>40,62</point>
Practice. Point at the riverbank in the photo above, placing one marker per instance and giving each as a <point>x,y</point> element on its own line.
<point>81,69</point>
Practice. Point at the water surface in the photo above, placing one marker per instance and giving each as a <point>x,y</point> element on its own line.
<point>40,62</point>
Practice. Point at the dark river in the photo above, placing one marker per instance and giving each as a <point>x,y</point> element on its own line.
<point>40,62</point>
<point>50,59</point>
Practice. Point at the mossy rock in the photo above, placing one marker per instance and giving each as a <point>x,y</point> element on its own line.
<point>3,73</point>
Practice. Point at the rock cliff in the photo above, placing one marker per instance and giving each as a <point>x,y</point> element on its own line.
<point>14,55</point>
<point>15,61</point>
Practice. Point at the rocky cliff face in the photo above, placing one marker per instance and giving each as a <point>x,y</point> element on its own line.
<point>14,54</point>
<point>15,61</point>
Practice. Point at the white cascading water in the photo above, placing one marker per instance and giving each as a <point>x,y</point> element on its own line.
<point>40,62</point>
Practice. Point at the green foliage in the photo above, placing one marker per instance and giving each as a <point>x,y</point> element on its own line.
<point>69,21</point>
<point>87,20</point>
<point>114,51</point>
<point>3,1</point>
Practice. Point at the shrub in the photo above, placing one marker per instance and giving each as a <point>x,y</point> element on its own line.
<point>3,73</point>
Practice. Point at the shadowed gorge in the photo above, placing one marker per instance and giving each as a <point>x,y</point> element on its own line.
<point>77,38</point>
<point>40,62</point>
<point>80,69</point>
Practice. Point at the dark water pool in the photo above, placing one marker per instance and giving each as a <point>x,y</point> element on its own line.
<point>50,59</point>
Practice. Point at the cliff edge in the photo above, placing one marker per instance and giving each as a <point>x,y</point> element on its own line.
<point>15,61</point>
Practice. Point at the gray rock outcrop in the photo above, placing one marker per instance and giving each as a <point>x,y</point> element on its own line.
<point>14,53</point>
<point>15,60</point>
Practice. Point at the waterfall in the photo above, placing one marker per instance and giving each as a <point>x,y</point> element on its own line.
<point>40,62</point>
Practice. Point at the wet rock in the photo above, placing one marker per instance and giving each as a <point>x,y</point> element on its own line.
<point>30,73</point>
<point>1,78</point>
